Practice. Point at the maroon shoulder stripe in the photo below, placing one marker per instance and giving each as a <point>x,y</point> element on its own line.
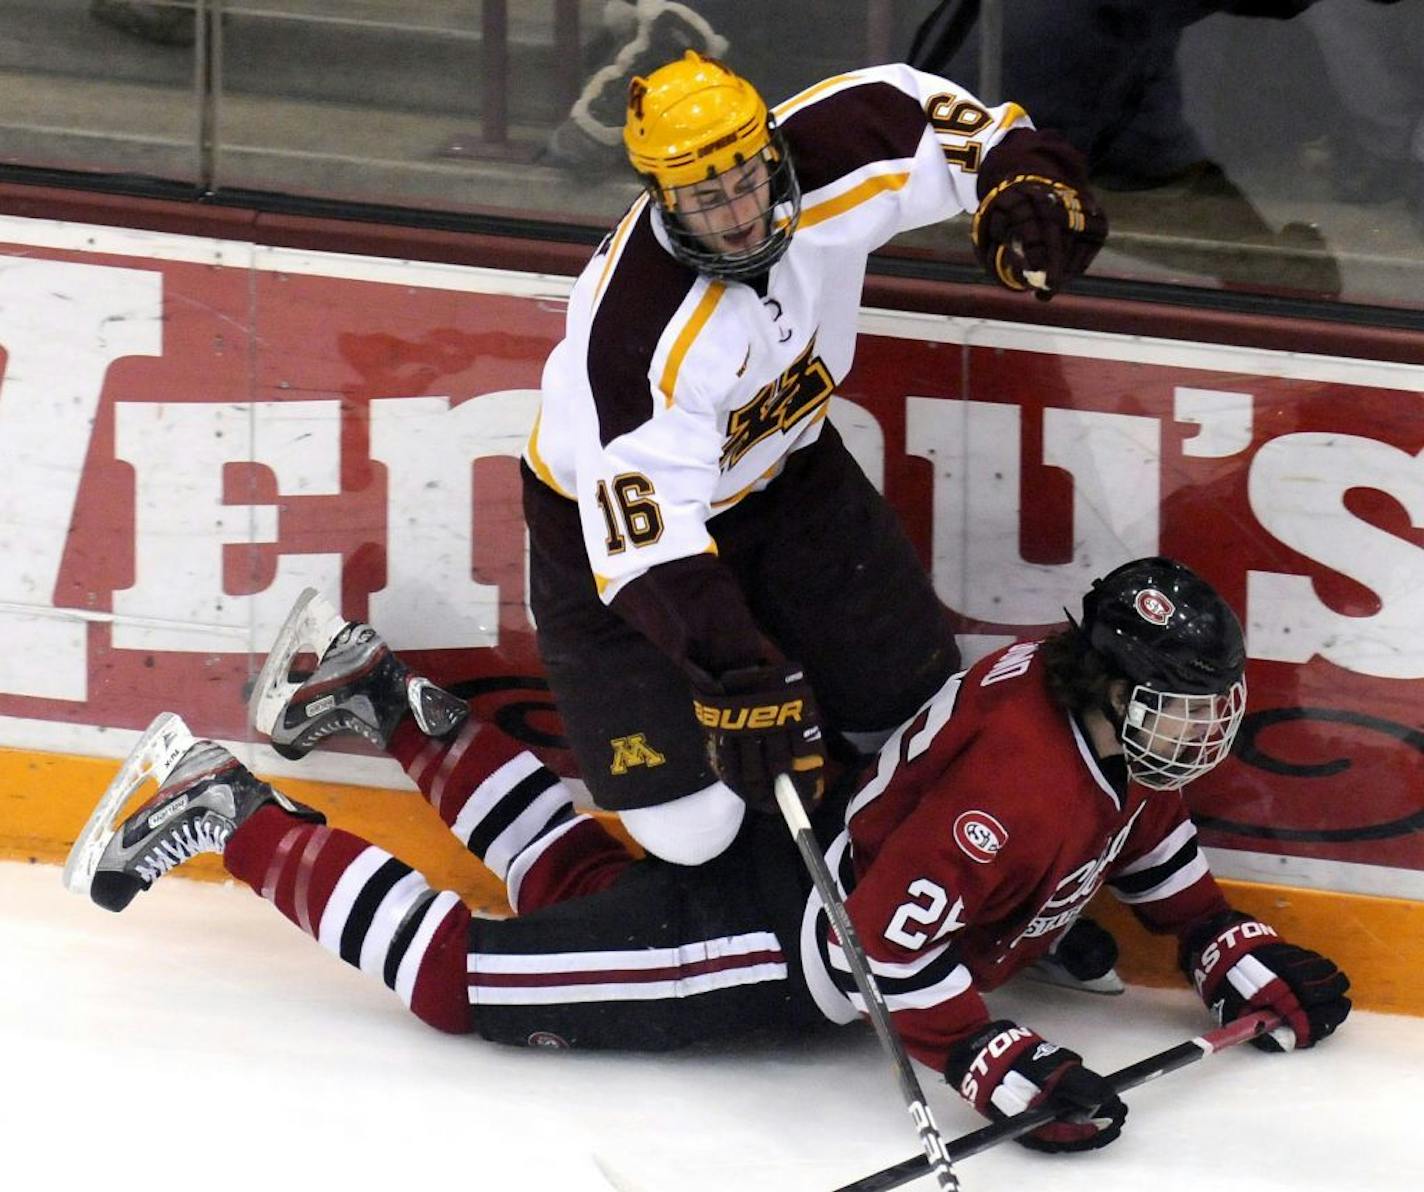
<point>641,296</point>
<point>846,130</point>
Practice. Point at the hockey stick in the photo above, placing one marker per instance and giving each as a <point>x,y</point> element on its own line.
<point>935,1159</point>
<point>1242,1030</point>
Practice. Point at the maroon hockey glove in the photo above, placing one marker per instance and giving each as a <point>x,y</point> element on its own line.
<point>761,721</point>
<point>1038,225</point>
<point>1005,1069</point>
<point>1033,232</point>
<point>1239,964</point>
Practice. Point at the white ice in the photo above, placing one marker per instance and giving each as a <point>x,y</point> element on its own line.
<point>200,1040</point>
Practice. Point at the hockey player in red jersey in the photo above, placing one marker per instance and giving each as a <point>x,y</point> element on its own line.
<point>1017,791</point>
<point>701,541</point>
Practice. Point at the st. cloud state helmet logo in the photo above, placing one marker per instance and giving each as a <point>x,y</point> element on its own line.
<point>1153,606</point>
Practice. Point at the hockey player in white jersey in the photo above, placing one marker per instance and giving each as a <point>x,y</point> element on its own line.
<point>718,589</point>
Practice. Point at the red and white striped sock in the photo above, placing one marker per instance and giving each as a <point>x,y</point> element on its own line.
<point>514,813</point>
<point>371,909</point>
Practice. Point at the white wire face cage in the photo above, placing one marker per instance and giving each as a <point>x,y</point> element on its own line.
<point>1170,739</point>
<point>772,218</point>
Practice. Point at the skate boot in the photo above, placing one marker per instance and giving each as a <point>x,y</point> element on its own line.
<point>1082,958</point>
<point>358,686</point>
<point>204,795</point>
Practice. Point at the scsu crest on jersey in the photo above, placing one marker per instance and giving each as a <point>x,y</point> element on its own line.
<point>800,391</point>
<point>979,835</point>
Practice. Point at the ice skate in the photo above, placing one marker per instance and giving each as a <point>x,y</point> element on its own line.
<point>358,686</point>
<point>204,795</point>
<point>1082,959</point>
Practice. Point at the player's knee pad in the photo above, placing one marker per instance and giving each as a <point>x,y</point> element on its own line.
<point>690,830</point>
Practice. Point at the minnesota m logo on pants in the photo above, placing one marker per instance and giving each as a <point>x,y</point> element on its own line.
<point>633,750</point>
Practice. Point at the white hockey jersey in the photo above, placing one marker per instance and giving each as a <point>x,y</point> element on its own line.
<point>673,395</point>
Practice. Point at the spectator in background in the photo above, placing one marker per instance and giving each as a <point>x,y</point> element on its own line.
<point>637,37</point>
<point>1104,73</point>
<point>1375,60</point>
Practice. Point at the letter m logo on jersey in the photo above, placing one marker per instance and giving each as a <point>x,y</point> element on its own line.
<point>799,392</point>
<point>632,751</point>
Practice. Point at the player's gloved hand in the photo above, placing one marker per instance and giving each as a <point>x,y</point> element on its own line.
<point>1004,1069</point>
<point>1239,964</point>
<point>1038,225</point>
<point>762,721</point>
<point>1035,232</point>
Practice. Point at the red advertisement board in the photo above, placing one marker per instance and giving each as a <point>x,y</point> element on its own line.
<point>191,431</point>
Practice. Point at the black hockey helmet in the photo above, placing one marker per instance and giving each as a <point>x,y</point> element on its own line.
<point>1165,630</point>
<point>1160,624</point>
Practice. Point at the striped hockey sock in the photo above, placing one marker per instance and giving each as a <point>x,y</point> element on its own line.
<point>358,901</point>
<point>512,812</point>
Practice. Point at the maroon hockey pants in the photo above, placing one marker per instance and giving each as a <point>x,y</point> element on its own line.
<point>603,951</point>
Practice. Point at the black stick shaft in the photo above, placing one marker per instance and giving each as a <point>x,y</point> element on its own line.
<point>935,1159</point>
<point>1242,1029</point>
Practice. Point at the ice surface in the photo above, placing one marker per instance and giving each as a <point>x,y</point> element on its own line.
<point>200,1040</point>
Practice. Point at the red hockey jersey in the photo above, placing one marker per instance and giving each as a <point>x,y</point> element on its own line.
<point>986,828</point>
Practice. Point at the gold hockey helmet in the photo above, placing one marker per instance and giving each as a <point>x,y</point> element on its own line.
<point>695,121</point>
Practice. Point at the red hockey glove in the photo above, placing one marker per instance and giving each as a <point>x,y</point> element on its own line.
<point>761,721</point>
<point>1005,1069</point>
<point>1239,964</point>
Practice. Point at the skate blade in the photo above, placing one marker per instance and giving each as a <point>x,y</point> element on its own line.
<point>1051,973</point>
<point>311,625</point>
<point>164,742</point>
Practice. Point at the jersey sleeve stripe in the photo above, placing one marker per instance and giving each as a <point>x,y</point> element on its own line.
<point>956,983</point>
<point>890,969</point>
<point>1161,853</point>
<point>1174,880</point>
<point>853,198</point>
<point>801,98</point>
<point>667,383</point>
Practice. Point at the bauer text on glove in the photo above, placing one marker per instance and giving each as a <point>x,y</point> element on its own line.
<point>759,722</point>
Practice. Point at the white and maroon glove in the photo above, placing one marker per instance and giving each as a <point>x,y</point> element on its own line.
<point>1004,1069</point>
<point>1239,964</point>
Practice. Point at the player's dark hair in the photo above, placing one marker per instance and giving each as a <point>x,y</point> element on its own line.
<point>1077,675</point>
